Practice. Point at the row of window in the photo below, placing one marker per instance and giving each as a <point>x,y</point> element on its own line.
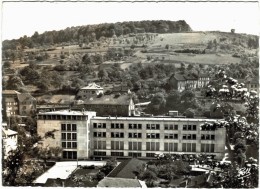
<point>207,137</point>
<point>100,145</point>
<point>154,146</point>
<point>189,127</point>
<point>153,135</point>
<point>189,137</point>
<point>134,135</point>
<point>62,117</point>
<point>69,145</point>
<point>69,136</point>
<point>69,154</point>
<point>69,127</point>
<point>148,126</point>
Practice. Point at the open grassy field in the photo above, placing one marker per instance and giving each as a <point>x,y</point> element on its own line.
<point>199,58</point>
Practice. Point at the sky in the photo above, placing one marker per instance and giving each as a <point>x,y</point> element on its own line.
<point>24,18</point>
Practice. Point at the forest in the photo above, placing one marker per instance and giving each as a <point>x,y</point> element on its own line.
<point>90,33</point>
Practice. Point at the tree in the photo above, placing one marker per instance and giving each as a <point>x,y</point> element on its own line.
<point>7,64</point>
<point>149,176</point>
<point>11,166</point>
<point>102,74</point>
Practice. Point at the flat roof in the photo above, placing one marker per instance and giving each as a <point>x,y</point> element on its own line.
<point>67,112</point>
<point>154,119</point>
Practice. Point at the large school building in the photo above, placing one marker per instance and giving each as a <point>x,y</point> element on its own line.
<point>82,135</point>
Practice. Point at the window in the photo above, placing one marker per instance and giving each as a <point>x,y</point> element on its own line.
<point>189,137</point>
<point>117,153</point>
<point>189,147</point>
<point>99,144</point>
<point>63,136</point>
<point>207,147</point>
<point>74,136</point>
<point>153,135</point>
<point>74,144</point>
<point>175,127</point>
<point>150,154</point>
<point>68,127</point>
<point>117,145</point>
<point>117,135</point>
<point>166,126</point>
<point>117,125</point>
<point>153,146</point>
<point>68,136</point>
<point>99,134</point>
<point>172,147</point>
<point>134,135</point>
<point>170,136</point>
<point>134,154</point>
<point>134,145</point>
<point>63,127</point>
<point>184,127</point>
<point>63,144</point>
<point>153,126</point>
<point>96,153</point>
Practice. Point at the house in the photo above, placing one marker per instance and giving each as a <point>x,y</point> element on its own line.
<point>9,139</point>
<point>121,183</point>
<point>10,103</point>
<point>91,90</point>
<point>112,105</point>
<point>122,88</point>
<point>181,82</point>
<point>15,103</point>
<point>27,104</point>
<point>128,169</point>
<point>252,84</point>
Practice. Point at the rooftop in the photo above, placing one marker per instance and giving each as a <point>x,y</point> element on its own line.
<point>91,86</point>
<point>127,169</point>
<point>67,112</point>
<point>109,99</point>
<point>10,92</point>
<point>8,132</point>
<point>119,183</point>
<point>155,119</point>
<point>25,96</point>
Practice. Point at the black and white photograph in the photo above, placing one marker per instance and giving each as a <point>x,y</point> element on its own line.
<point>130,94</point>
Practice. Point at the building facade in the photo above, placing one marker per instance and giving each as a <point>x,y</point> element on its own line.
<point>181,82</point>
<point>71,131</point>
<point>10,103</point>
<point>15,103</point>
<point>27,104</point>
<point>9,140</point>
<point>128,136</point>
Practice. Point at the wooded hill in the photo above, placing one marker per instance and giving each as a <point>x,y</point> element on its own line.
<point>91,33</point>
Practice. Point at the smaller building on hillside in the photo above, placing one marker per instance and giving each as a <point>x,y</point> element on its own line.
<point>253,84</point>
<point>181,82</point>
<point>112,105</point>
<point>9,140</point>
<point>91,90</point>
<point>15,103</point>
<point>27,104</point>
<point>10,103</point>
<point>122,88</point>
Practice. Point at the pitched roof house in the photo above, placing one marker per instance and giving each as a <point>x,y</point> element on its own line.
<point>108,105</point>
<point>181,82</point>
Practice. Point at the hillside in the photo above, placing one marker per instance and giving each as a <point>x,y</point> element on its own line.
<point>91,33</point>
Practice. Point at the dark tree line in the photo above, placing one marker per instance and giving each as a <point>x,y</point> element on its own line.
<point>90,33</point>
